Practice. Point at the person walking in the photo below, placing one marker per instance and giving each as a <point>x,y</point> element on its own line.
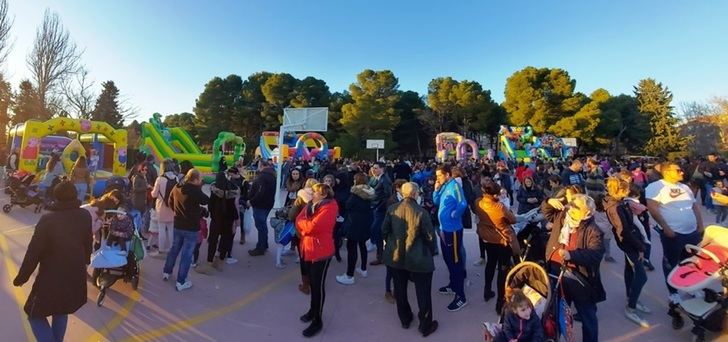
<point>408,255</point>
<point>60,248</point>
<point>185,201</point>
<point>357,228</point>
<point>315,225</point>
<point>261,199</point>
<point>501,244</point>
<point>630,240</point>
<point>382,185</point>
<point>81,178</point>
<point>451,203</point>
<point>672,205</point>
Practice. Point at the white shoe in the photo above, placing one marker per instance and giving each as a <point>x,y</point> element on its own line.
<point>281,265</point>
<point>345,279</point>
<point>362,273</point>
<point>640,307</point>
<point>194,265</point>
<point>231,261</point>
<point>371,246</point>
<point>165,276</point>
<point>675,298</point>
<point>185,286</point>
<point>632,315</point>
<point>153,253</point>
<point>124,253</point>
<point>479,262</point>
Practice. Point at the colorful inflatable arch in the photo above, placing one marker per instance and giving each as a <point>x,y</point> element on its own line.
<point>461,151</point>
<point>307,146</point>
<point>453,145</point>
<point>32,135</point>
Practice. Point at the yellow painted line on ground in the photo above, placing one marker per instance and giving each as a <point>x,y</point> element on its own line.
<point>18,294</point>
<point>118,319</point>
<point>209,315</point>
<point>630,336</point>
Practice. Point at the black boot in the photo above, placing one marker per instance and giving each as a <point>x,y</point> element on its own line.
<point>313,329</point>
<point>307,317</point>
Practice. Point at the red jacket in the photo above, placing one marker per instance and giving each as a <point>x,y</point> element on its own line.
<point>317,230</point>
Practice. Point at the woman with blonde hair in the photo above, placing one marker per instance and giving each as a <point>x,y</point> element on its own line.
<point>302,198</point>
<point>81,177</point>
<point>163,186</point>
<point>315,224</point>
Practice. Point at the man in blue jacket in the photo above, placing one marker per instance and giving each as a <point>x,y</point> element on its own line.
<point>451,203</point>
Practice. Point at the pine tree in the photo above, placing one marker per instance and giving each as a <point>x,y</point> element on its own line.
<point>653,100</point>
<point>107,106</point>
<point>26,105</point>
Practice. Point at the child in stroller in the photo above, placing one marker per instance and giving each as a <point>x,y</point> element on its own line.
<point>121,229</point>
<point>21,191</point>
<point>521,323</point>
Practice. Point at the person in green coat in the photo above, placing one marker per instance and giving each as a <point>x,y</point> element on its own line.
<point>410,245</point>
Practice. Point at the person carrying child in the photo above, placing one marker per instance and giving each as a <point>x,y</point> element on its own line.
<point>720,188</point>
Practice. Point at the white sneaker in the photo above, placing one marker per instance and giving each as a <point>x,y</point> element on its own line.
<point>675,298</point>
<point>345,279</point>
<point>371,246</point>
<point>281,265</point>
<point>640,307</point>
<point>185,286</point>
<point>194,265</point>
<point>632,315</point>
<point>231,261</point>
<point>153,253</point>
<point>165,276</point>
<point>361,272</point>
<point>479,262</point>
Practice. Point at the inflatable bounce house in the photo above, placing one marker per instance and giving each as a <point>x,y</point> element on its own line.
<point>451,145</point>
<point>175,143</point>
<point>519,143</point>
<point>306,146</point>
<point>103,146</point>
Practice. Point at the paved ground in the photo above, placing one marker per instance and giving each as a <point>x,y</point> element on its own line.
<point>253,301</point>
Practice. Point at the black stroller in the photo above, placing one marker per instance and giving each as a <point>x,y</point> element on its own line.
<point>531,236</point>
<point>21,192</point>
<point>110,264</point>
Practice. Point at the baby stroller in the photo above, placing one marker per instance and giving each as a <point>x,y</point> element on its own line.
<point>21,192</point>
<point>704,275</point>
<point>109,262</point>
<point>533,280</point>
<point>531,237</point>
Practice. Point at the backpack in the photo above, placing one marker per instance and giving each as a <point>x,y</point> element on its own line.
<point>171,183</point>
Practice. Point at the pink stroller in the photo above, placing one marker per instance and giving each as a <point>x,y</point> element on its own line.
<point>705,276</point>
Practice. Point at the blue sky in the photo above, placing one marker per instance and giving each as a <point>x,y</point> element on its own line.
<point>161,53</point>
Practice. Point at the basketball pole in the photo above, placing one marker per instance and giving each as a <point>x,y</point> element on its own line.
<point>279,171</point>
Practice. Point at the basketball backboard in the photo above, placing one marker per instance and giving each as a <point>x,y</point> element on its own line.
<point>309,119</point>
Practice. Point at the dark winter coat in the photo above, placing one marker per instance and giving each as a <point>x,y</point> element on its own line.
<point>586,257</point>
<point>626,233</point>
<point>409,237</point>
<point>263,191</point>
<point>515,328</point>
<point>222,207</point>
<point>60,248</point>
<point>382,190</point>
<point>470,198</point>
<point>359,216</point>
<point>524,194</point>
<point>185,200</point>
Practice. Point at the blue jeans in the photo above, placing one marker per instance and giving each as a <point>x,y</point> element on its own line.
<point>707,189</point>
<point>635,277</point>
<point>45,332</point>
<point>589,321</point>
<point>81,188</point>
<point>183,241</point>
<point>376,232</point>
<point>673,251</point>
<point>260,216</point>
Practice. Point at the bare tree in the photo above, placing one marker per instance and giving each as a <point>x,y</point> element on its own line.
<point>78,94</point>
<point>6,23</point>
<point>54,57</point>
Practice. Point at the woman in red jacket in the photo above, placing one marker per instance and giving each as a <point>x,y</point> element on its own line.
<point>315,225</point>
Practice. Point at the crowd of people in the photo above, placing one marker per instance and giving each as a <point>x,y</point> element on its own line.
<point>407,213</point>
